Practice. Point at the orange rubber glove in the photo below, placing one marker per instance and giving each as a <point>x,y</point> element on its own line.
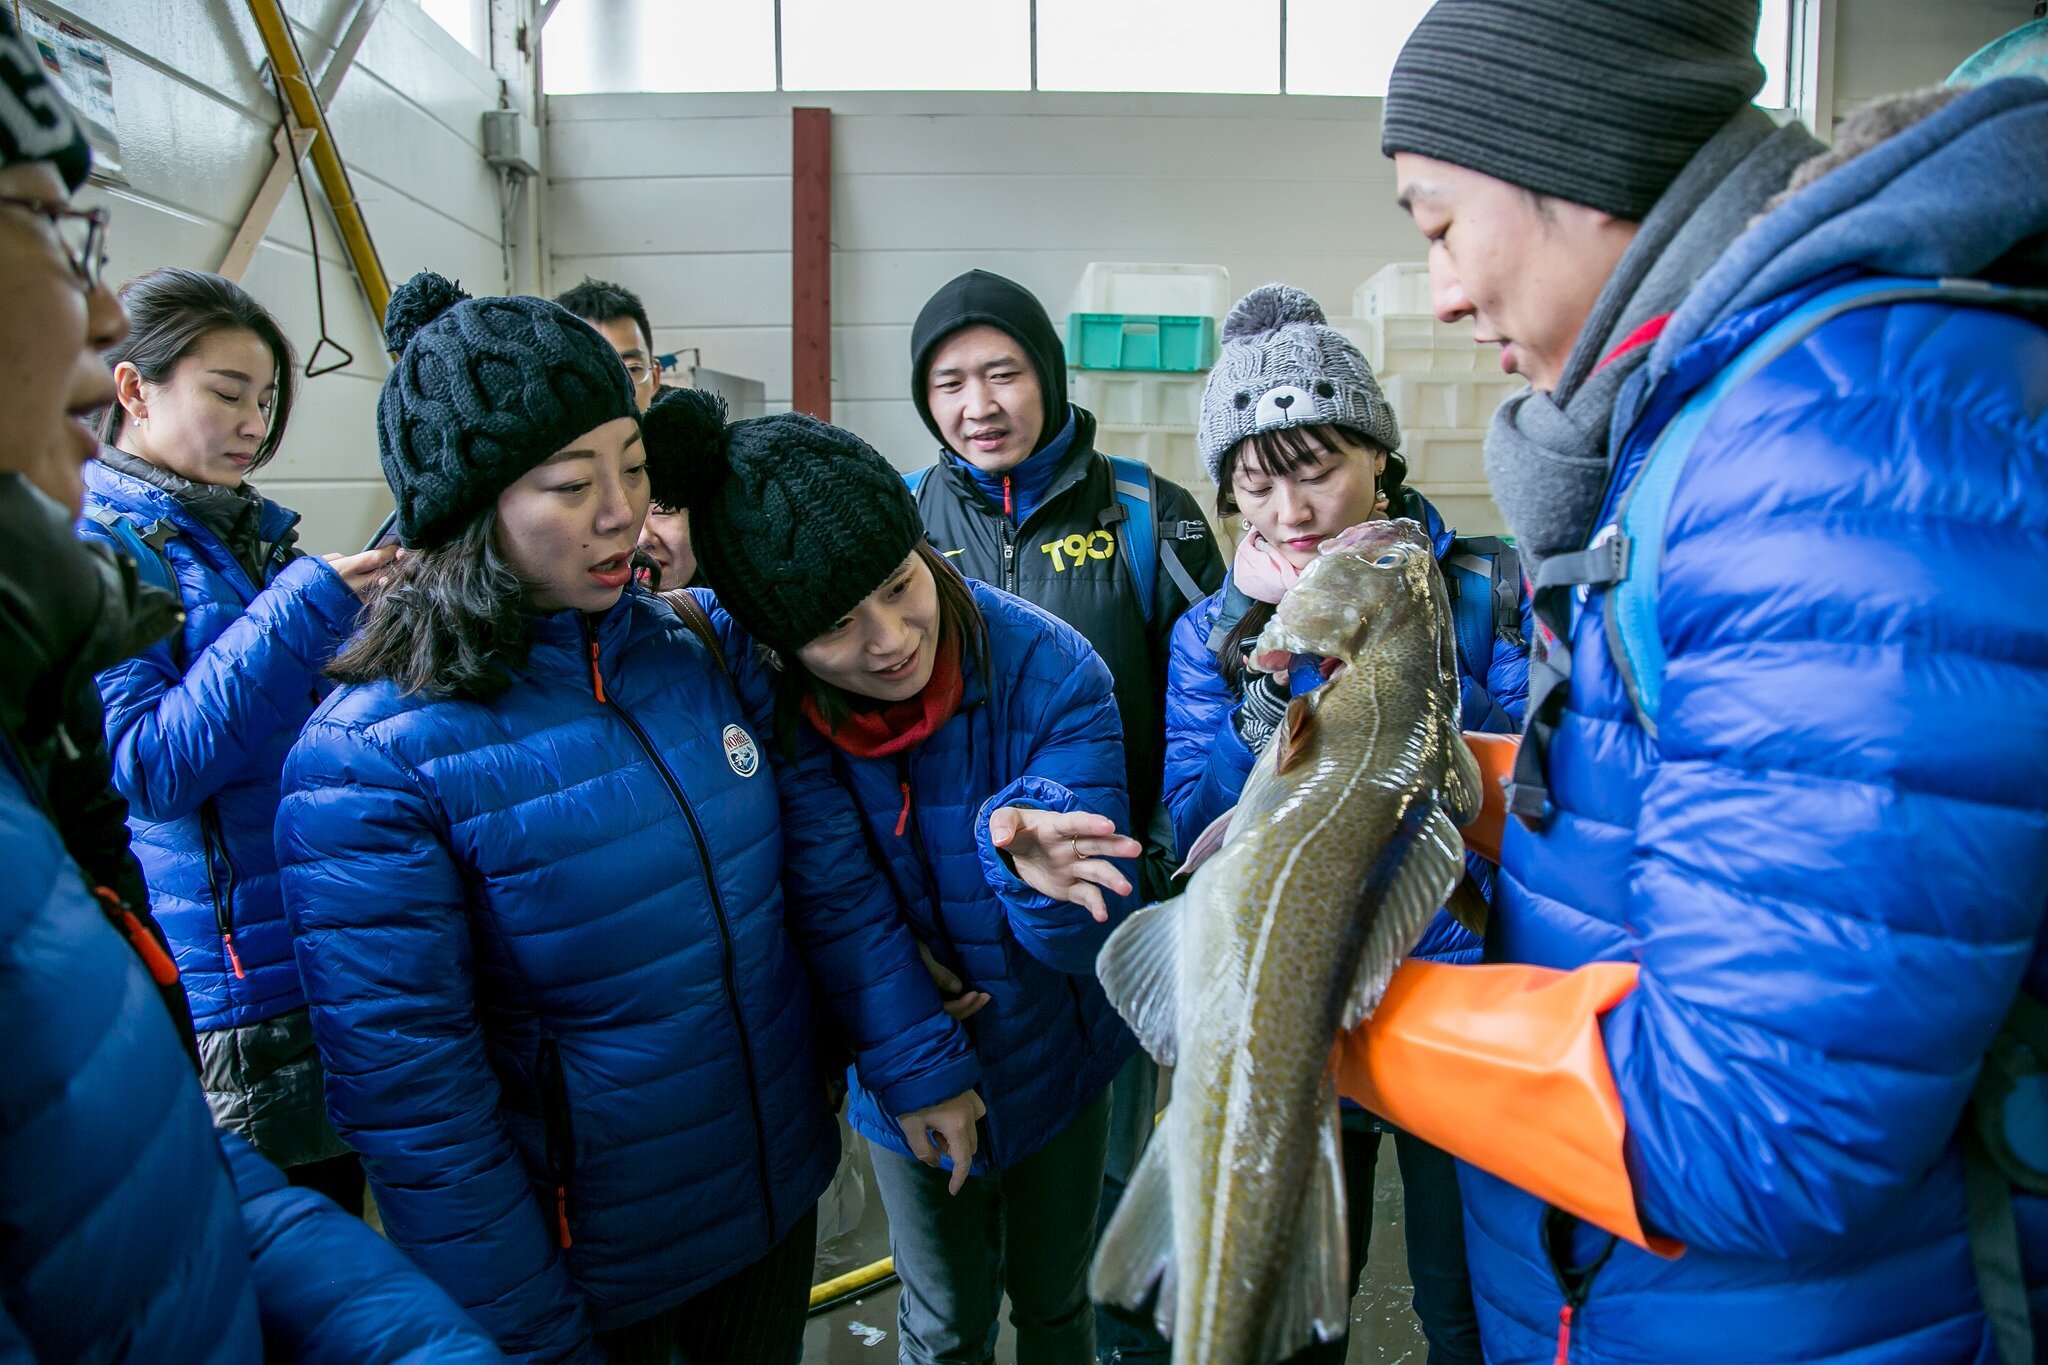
<point>1496,755</point>
<point>1504,1067</point>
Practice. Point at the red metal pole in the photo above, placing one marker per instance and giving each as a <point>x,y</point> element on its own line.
<point>810,255</point>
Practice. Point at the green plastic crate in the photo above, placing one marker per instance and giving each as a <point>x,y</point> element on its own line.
<point>1133,341</point>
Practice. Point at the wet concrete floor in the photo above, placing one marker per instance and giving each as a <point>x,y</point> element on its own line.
<point>1383,1332</point>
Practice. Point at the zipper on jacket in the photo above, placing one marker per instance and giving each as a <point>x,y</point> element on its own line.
<point>1009,508</point>
<point>220,884</point>
<point>560,1137</point>
<point>732,992</point>
<point>1009,535</point>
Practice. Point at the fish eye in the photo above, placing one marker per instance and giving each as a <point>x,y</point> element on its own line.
<point>1387,560</point>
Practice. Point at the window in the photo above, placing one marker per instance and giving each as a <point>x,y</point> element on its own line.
<point>459,17</point>
<point>1346,47</point>
<point>1226,46</point>
<point>600,46</point>
<point>1774,50</point>
<point>906,45</point>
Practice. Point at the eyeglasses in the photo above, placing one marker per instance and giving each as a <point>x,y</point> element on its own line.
<point>81,232</point>
<point>637,372</point>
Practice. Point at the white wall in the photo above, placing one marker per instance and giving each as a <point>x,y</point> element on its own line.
<point>195,125</point>
<point>685,198</point>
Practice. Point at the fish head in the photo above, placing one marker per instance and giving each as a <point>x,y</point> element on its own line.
<point>1367,583</point>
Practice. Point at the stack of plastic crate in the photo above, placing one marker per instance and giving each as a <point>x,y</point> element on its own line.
<point>1140,341</point>
<point>1443,385</point>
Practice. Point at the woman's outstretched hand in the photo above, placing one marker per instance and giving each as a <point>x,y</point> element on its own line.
<point>1064,856</point>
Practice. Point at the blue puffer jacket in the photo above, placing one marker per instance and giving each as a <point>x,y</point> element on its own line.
<point>135,1231</point>
<point>558,990</point>
<point>1831,860</point>
<point>198,730</point>
<point>1040,730</point>
<point>1207,764</point>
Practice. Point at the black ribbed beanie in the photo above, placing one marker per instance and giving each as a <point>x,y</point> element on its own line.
<point>793,521</point>
<point>979,297</point>
<point>1599,102</point>
<point>484,390</point>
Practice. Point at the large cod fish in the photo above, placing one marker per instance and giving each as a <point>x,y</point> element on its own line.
<point>1343,846</point>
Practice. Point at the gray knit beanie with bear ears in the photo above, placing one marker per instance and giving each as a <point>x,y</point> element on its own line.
<point>1282,365</point>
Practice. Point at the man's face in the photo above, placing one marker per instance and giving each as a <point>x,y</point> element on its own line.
<point>986,398</point>
<point>1526,271</point>
<point>637,352</point>
<point>52,330</point>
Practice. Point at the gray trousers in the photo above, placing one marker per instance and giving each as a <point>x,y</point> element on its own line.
<point>1028,1231</point>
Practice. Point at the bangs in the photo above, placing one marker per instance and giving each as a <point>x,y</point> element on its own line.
<point>1279,451</point>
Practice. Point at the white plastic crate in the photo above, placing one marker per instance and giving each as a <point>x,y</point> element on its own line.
<point>1127,399</point>
<point>1433,399</point>
<point>1396,344</point>
<point>1401,289</point>
<point>1170,452</point>
<point>1452,459</point>
<point>1128,287</point>
<point>1469,514</point>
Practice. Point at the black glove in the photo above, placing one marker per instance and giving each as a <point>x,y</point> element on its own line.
<point>1263,708</point>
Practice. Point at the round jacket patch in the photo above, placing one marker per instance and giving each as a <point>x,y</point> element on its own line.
<point>740,751</point>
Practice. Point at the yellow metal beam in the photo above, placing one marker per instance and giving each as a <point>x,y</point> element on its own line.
<point>852,1281</point>
<point>299,94</point>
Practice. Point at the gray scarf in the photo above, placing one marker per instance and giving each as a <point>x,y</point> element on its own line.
<point>1547,453</point>
<point>233,515</point>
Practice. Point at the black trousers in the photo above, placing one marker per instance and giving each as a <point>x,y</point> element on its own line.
<point>755,1317</point>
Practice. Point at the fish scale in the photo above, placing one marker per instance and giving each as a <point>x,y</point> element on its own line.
<point>1339,852</point>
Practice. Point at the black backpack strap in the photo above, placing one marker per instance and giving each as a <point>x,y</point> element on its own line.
<point>1558,580</point>
<point>1995,1252</point>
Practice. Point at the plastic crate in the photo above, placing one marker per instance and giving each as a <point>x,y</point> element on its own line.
<point>1152,290</point>
<point>1446,400</point>
<point>1140,341</point>
<point>1170,452</point>
<point>1469,514</point>
<point>1396,344</point>
<point>1451,460</point>
<point>1399,290</point>
<point>1139,400</point>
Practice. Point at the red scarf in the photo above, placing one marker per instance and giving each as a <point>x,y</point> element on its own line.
<point>904,724</point>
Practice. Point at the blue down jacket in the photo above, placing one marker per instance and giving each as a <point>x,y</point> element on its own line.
<point>557,987</point>
<point>198,730</point>
<point>1207,764</point>
<point>1831,859</point>
<point>1040,729</point>
<point>135,1231</point>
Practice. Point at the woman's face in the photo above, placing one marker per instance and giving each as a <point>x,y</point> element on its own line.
<point>52,330</point>
<point>1298,511</point>
<point>665,539</point>
<point>207,421</point>
<point>885,647</point>
<point>567,526</point>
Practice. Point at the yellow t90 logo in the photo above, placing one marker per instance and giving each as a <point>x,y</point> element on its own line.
<point>1077,547</point>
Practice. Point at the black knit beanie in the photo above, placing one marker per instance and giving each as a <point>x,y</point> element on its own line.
<point>483,391</point>
<point>793,521</point>
<point>977,298</point>
<point>1599,102</point>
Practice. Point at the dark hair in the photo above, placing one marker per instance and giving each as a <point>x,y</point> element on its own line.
<point>959,618</point>
<point>451,622</point>
<point>1283,450</point>
<point>174,309</point>
<point>603,301</point>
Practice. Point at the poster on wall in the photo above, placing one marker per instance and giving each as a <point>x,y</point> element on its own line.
<point>77,62</point>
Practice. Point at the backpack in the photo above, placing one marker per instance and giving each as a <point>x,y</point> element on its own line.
<point>145,547</point>
<point>1484,576</point>
<point>2005,1128</point>
<point>1135,518</point>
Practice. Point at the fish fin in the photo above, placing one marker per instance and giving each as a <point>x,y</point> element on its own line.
<point>1134,1266</point>
<point>1140,972</point>
<point>1464,788</point>
<point>1408,883</point>
<point>1212,838</point>
<point>1312,1300</point>
<point>1297,727</point>
<point>1468,906</point>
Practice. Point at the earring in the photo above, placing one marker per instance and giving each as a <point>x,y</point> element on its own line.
<point>1244,523</point>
